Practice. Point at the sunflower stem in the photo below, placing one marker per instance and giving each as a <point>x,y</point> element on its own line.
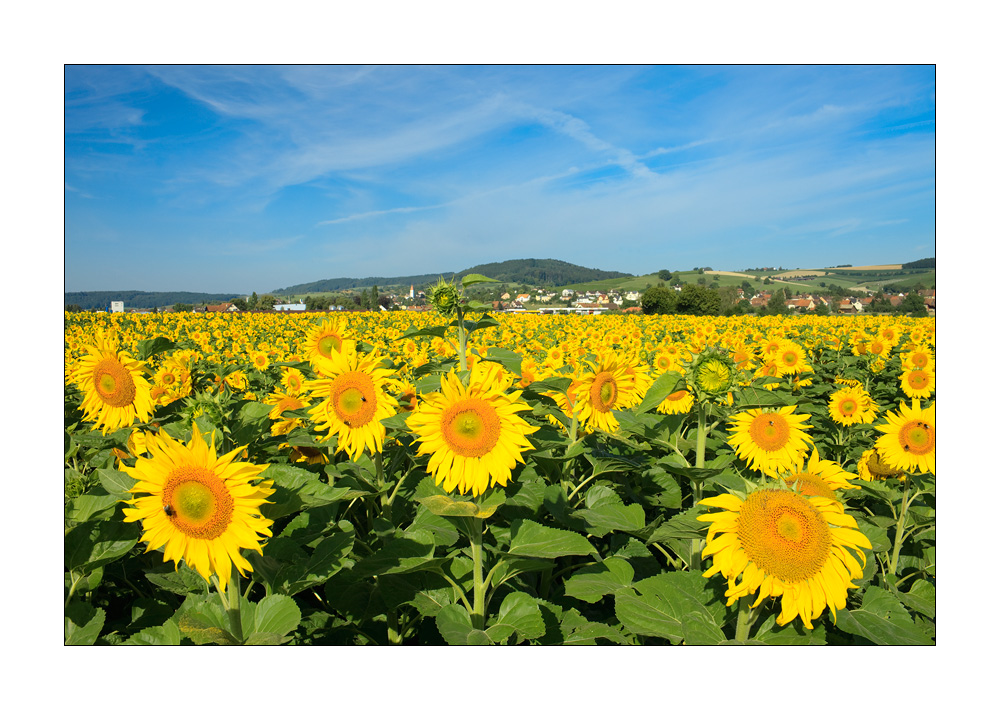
<point>900,526</point>
<point>478,586</point>
<point>744,621</point>
<point>699,462</point>
<point>463,365</point>
<point>231,603</point>
<point>380,482</point>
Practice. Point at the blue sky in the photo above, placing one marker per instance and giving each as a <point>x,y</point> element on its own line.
<point>241,178</point>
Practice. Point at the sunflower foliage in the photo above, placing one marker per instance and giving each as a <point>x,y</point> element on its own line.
<point>510,479</point>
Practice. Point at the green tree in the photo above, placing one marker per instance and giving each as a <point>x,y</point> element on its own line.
<point>699,301</point>
<point>664,274</point>
<point>702,281</point>
<point>821,310</point>
<point>373,298</point>
<point>659,300</point>
<point>240,303</point>
<point>252,302</point>
<point>747,288</point>
<point>777,303</point>
<point>267,302</point>
<point>913,303</point>
<point>183,308</point>
<point>366,300</point>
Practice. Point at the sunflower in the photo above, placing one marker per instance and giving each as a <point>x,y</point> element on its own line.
<point>354,400</point>
<point>907,440</point>
<point>790,358</point>
<point>473,433</point>
<point>679,402</point>
<point>606,388</point>
<point>291,380</point>
<point>852,405</point>
<point>770,441</point>
<point>283,402</point>
<point>260,360</point>
<point>819,477</point>
<point>324,338</point>
<point>917,384</point>
<point>115,393</point>
<point>783,544</point>
<point>871,468</point>
<point>199,507</point>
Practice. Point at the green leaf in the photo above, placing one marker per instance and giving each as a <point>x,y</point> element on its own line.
<point>876,536</point>
<point>605,512</point>
<point>90,507</point>
<point>594,581</point>
<point>168,634</point>
<point>790,634</point>
<point>922,598</point>
<point>665,384</point>
<point>519,613</point>
<point>484,322</point>
<point>277,615</point>
<point>666,608</point>
<point>455,626</point>
<point>204,621</point>
<point>407,552</point>
<point>153,346</point>
<point>297,488</point>
<point>83,624</point>
<point>882,620</point>
<point>508,358</point>
<point>531,539</point>
<point>470,279</point>
<point>95,544</point>
<point>116,483</point>
<point>311,570</point>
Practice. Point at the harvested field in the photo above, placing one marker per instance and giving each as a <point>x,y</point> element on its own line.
<point>867,268</point>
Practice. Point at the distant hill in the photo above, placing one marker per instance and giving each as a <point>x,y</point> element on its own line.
<point>530,272</point>
<point>101,300</point>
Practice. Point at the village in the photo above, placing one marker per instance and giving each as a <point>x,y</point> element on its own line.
<point>546,301</point>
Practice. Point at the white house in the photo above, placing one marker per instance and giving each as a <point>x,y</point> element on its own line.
<point>289,306</point>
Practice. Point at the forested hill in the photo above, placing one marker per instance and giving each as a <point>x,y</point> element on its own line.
<point>530,272</point>
<point>101,300</point>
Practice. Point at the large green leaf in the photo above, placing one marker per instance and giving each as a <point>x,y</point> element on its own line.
<point>275,617</point>
<point>94,544</point>
<point>470,279</point>
<point>605,512</point>
<point>662,606</point>
<point>456,629</point>
<point>508,358</point>
<point>153,346</point>
<point>594,581</point>
<point>664,385</point>
<point>167,634</point>
<point>531,539</point>
<point>882,620</point>
<point>405,552</point>
<point>296,488</point>
<point>83,624</point>
<point>519,613</point>
<point>921,598</point>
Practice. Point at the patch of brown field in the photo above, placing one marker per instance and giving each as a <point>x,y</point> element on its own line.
<point>866,268</point>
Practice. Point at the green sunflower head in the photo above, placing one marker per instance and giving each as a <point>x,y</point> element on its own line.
<point>712,375</point>
<point>444,296</point>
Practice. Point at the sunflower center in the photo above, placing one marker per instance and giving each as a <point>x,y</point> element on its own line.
<point>918,380</point>
<point>919,359</point>
<point>848,407</point>
<point>113,383</point>
<point>917,437</point>
<point>769,431</point>
<point>789,358</point>
<point>352,397</point>
<point>199,503</point>
<point>327,344</point>
<point>604,392</point>
<point>471,428</point>
<point>783,535</point>
<point>713,377</point>
<point>811,485</point>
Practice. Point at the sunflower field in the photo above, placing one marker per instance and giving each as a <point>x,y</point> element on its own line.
<point>464,477</point>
